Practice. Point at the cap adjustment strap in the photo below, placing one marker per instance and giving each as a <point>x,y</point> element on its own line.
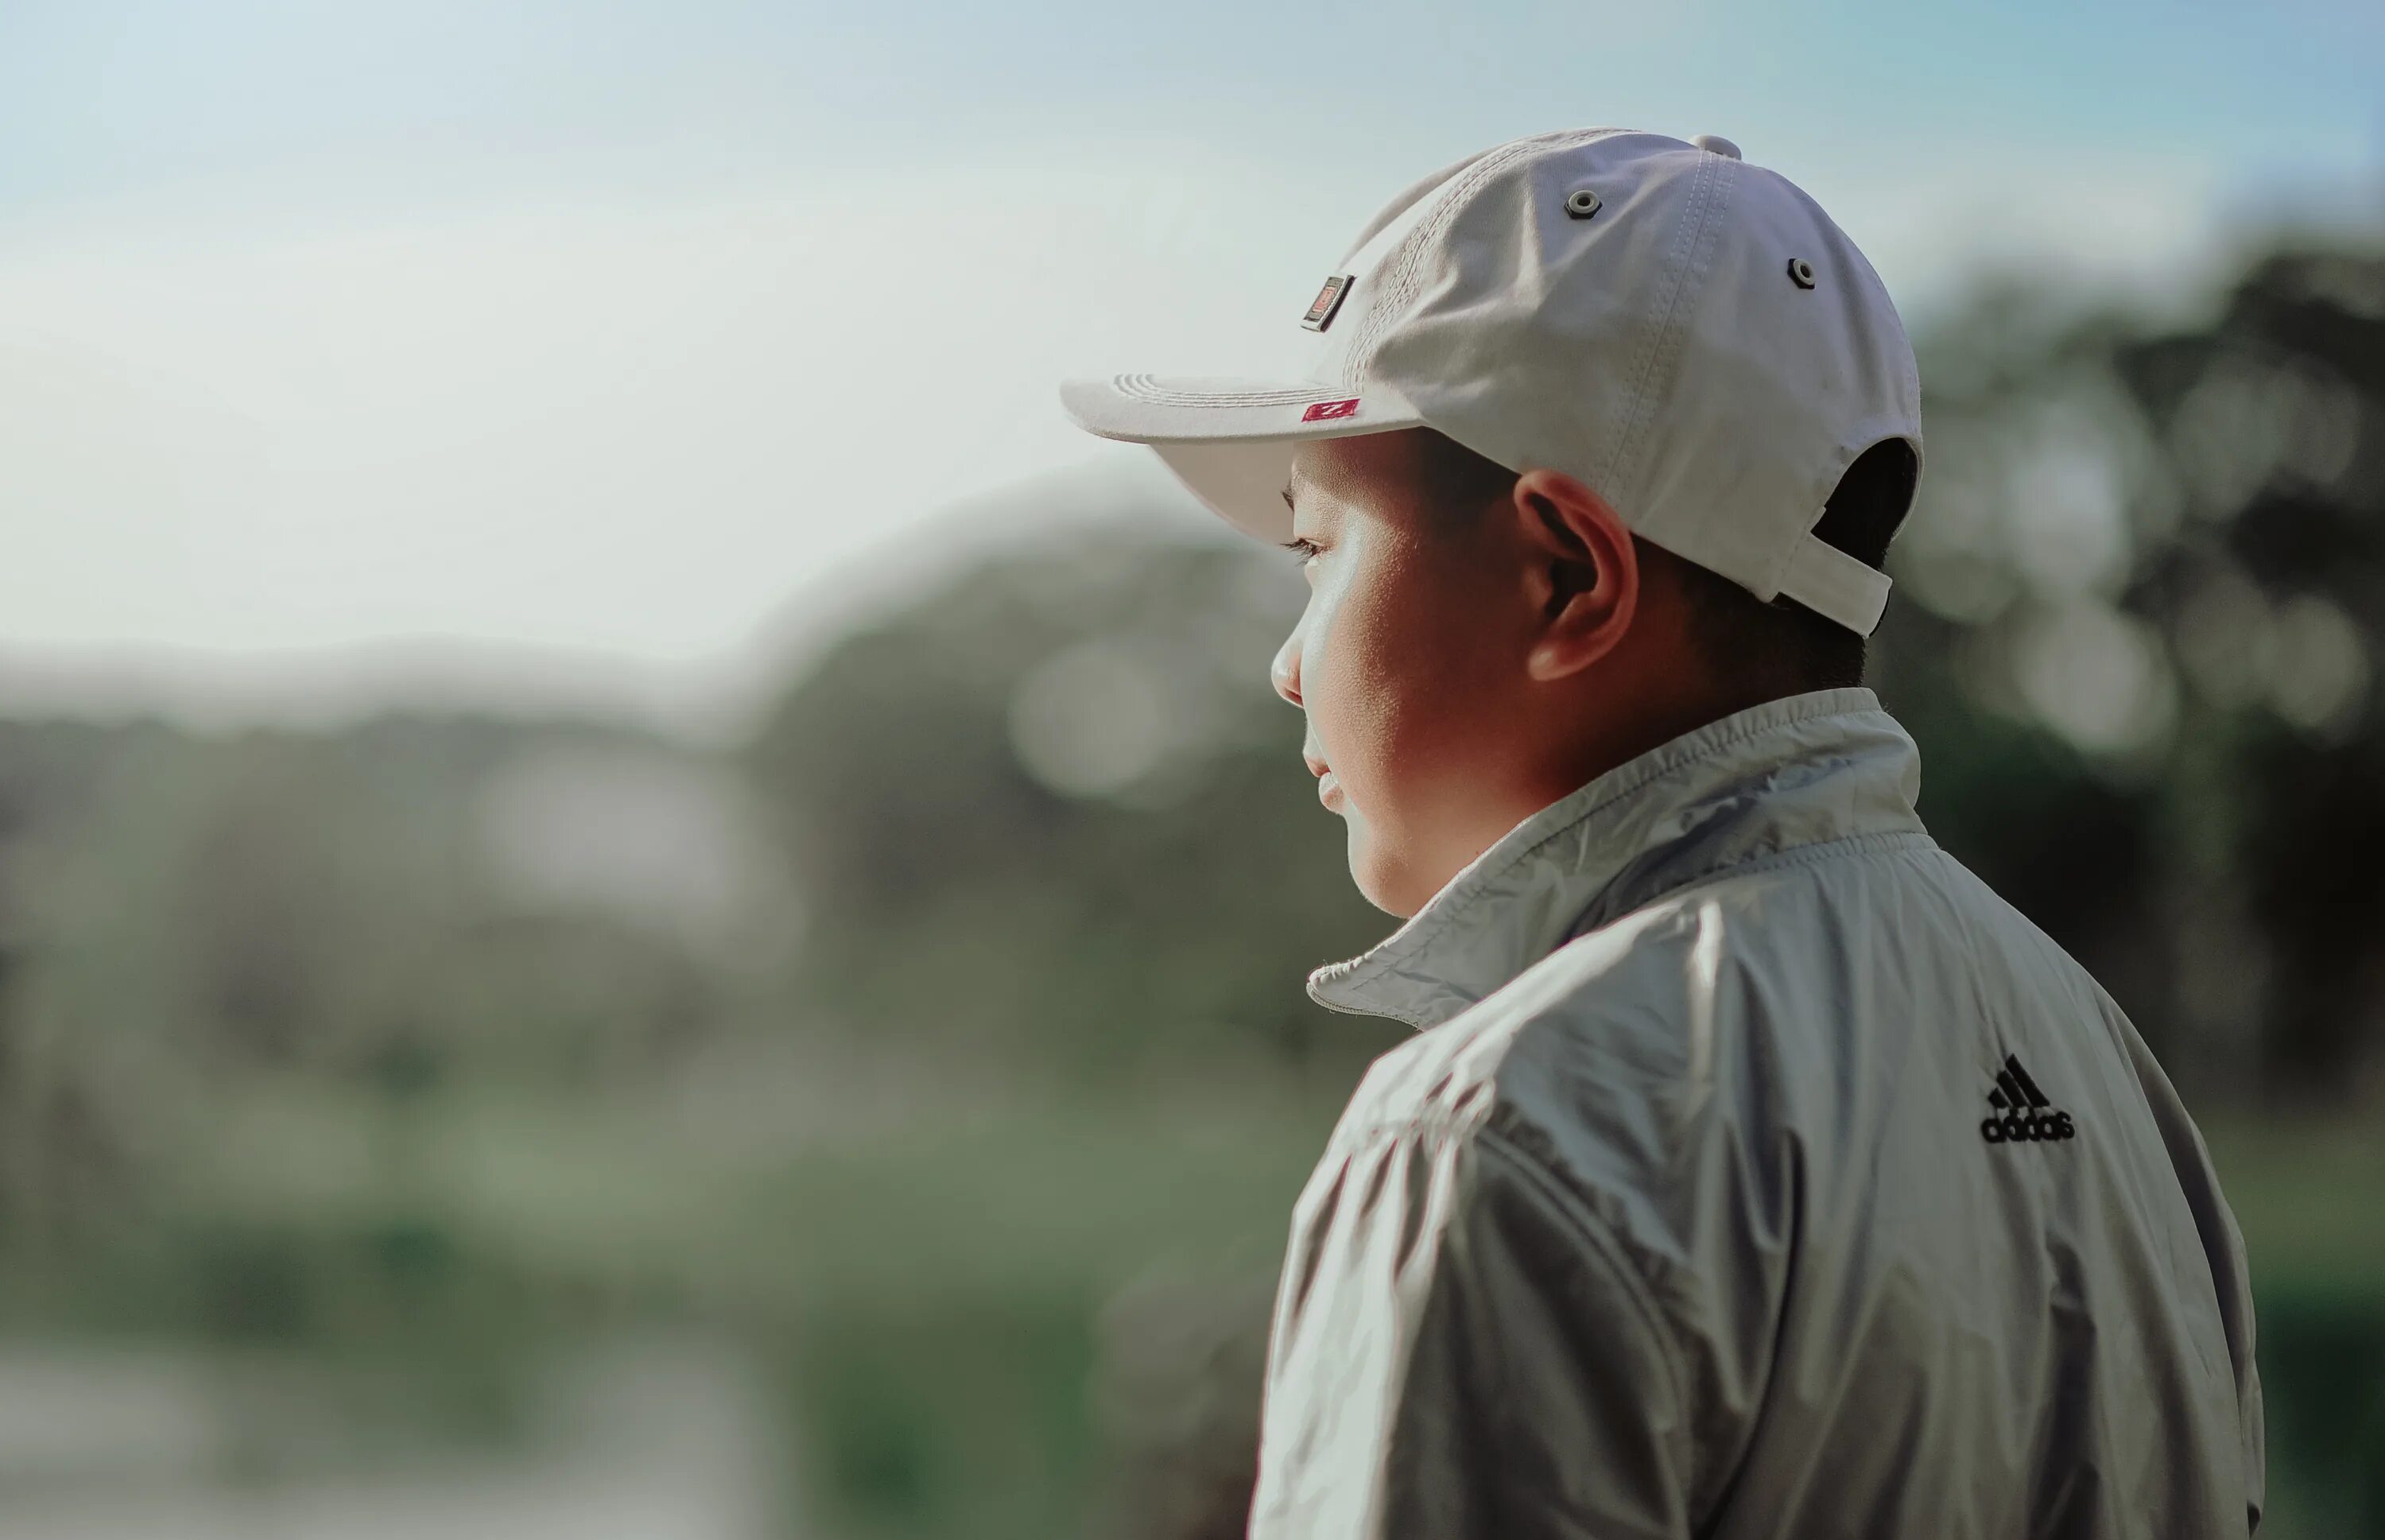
<point>1828,581</point>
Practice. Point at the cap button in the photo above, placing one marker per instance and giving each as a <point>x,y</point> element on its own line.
<point>1714,144</point>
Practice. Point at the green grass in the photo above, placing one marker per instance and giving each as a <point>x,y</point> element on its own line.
<point>924,1286</point>
<point>2310,1199</point>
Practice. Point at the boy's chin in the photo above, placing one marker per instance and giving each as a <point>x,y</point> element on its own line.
<point>1383,880</point>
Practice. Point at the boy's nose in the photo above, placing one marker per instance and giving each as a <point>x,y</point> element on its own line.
<point>1285,671</point>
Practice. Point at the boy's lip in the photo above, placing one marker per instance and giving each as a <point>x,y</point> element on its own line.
<point>1327,786</point>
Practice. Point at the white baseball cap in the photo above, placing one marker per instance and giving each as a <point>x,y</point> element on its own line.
<point>1688,335</point>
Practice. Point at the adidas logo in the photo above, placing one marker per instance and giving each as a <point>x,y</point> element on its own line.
<point>2019,1117</point>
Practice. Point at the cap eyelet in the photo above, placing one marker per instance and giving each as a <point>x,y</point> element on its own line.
<point>1581,203</point>
<point>1801,272</point>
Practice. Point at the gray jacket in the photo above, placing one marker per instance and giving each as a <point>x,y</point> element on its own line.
<point>1757,1172</point>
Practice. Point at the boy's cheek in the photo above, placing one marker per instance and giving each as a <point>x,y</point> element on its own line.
<point>1359,691</point>
<point>1376,685</point>
<point>1322,692</point>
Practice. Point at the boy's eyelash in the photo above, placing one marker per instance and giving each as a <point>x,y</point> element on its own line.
<point>1301,546</point>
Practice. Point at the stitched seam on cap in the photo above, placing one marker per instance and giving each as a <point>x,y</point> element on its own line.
<point>1406,279</point>
<point>1664,340</point>
<point>1144,387</point>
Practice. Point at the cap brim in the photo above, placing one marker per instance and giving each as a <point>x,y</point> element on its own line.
<point>1230,442</point>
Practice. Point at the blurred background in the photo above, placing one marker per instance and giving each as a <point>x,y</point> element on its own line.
<point>639,898</point>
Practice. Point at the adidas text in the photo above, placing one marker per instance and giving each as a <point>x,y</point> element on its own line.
<point>2022,1114</point>
<point>2019,1127</point>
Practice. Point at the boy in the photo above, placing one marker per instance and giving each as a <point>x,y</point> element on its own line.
<point>1757,1170</point>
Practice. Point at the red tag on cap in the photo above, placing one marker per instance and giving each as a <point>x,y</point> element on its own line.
<point>1325,411</point>
<point>1328,299</point>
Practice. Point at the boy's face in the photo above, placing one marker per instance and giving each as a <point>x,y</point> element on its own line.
<point>1409,663</point>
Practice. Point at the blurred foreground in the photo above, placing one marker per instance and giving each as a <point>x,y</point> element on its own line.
<point>888,1128</point>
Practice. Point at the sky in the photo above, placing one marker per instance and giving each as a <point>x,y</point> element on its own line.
<point>606,355</point>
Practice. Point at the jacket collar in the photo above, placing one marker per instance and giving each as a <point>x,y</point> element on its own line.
<point>1798,770</point>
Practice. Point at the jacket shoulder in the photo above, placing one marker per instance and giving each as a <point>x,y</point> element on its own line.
<point>1592,1062</point>
<point>1643,1067</point>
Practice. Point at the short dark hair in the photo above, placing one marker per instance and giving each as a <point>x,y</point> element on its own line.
<point>1780,645</point>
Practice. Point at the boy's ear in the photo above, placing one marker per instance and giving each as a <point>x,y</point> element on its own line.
<point>1581,572</point>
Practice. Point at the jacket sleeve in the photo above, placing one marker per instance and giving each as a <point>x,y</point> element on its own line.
<point>1462,1352</point>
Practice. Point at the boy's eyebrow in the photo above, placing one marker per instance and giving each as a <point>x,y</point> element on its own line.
<point>1287,496</point>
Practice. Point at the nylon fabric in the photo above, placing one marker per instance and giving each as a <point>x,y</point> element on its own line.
<point>1678,1216</point>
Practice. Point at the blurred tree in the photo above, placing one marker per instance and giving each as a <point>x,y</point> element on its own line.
<point>2143,592</point>
<point>1178,1389</point>
<point>1056,815</point>
<point>2147,580</point>
<point>190,925</point>
<point>1048,823</point>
